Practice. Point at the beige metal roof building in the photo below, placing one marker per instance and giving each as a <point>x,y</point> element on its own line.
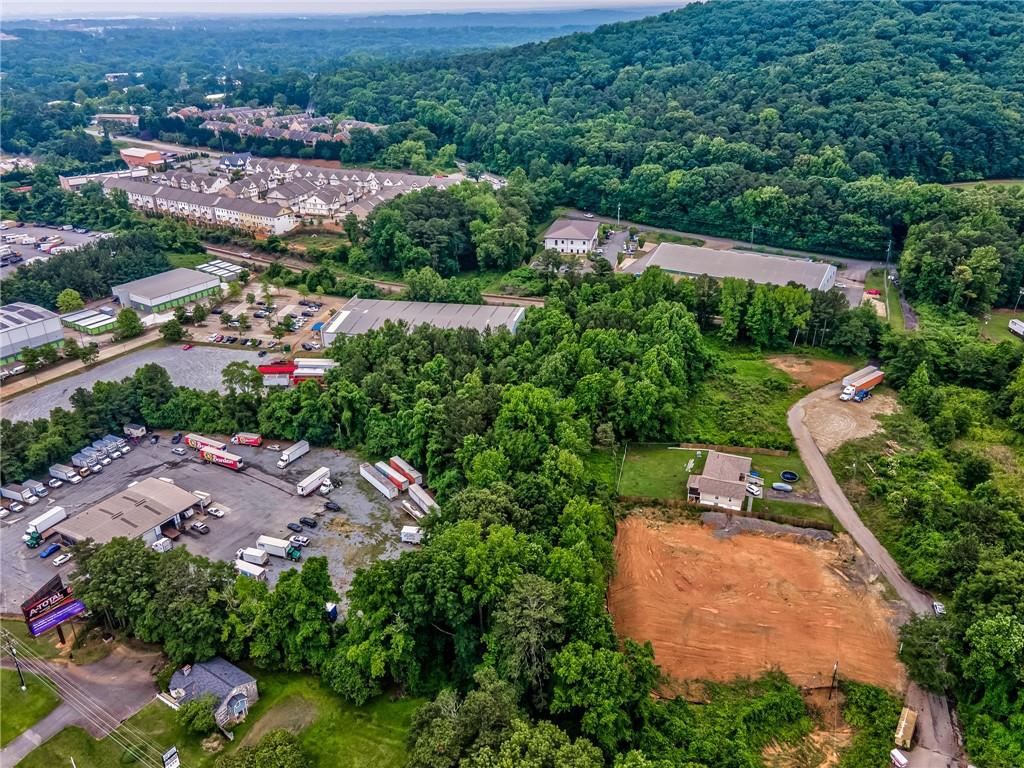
<point>149,509</point>
<point>692,261</point>
<point>167,289</point>
<point>362,315</point>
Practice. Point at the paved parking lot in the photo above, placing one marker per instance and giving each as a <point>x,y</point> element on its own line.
<point>29,252</point>
<point>199,368</point>
<point>259,500</point>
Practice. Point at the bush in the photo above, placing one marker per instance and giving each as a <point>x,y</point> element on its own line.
<point>197,716</point>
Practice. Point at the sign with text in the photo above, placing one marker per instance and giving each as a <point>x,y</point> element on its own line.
<point>49,606</point>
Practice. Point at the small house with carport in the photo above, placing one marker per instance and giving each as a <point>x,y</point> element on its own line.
<point>233,690</point>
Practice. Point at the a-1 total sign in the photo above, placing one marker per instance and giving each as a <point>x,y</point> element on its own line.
<point>171,758</point>
<point>51,605</point>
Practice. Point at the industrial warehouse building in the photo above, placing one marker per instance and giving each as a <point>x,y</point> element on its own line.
<point>692,261</point>
<point>362,315</point>
<point>149,509</point>
<point>89,321</point>
<point>167,290</point>
<point>26,325</point>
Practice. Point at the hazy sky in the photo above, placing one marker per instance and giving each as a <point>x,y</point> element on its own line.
<point>93,8</point>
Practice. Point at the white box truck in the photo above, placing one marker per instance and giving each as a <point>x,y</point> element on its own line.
<point>292,452</point>
<point>65,473</point>
<point>252,555</point>
<point>163,544</point>
<point>412,534</point>
<point>46,521</point>
<point>17,492</point>
<point>250,570</point>
<point>423,499</point>
<point>396,478</point>
<point>377,480</point>
<point>272,546</point>
<point>37,488</point>
<point>311,483</point>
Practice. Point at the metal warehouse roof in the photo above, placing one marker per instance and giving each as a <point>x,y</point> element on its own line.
<point>88,318</point>
<point>166,282</point>
<point>777,270</point>
<point>18,314</point>
<point>130,513</point>
<point>362,315</point>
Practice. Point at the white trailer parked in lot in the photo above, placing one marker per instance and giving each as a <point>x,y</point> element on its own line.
<point>65,473</point>
<point>272,546</point>
<point>163,544</point>
<point>46,521</point>
<point>423,499</point>
<point>412,534</point>
<point>312,482</point>
<point>253,555</point>
<point>250,570</point>
<point>292,452</point>
<point>377,480</point>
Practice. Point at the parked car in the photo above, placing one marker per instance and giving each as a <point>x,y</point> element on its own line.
<point>128,449</point>
<point>55,483</point>
<point>299,541</point>
<point>116,455</point>
<point>59,560</point>
<point>215,512</point>
<point>307,346</point>
<point>588,215</point>
<point>186,347</point>
<point>861,396</point>
<point>295,527</point>
<point>17,506</point>
<point>309,522</point>
<point>49,551</point>
<point>261,353</point>
<point>217,311</point>
<point>330,505</point>
<point>307,313</point>
<point>754,491</point>
<point>154,439</point>
<point>938,608</point>
<point>203,528</point>
<point>177,438</point>
<point>179,451</point>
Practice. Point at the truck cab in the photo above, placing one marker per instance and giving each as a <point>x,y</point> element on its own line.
<point>847,394</point>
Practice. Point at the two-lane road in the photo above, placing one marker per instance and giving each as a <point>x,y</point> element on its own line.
<point>937,740</point>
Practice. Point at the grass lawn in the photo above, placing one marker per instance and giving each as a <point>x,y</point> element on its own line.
<point>770,468</point>
<point>665,237</point>
<point>188,260</point>
<point>796,509</point>
<point>997,327</point>
<point>325,241</point>
<point>43,647</point>
<point>894,309</point>
<point>657,471</point>
<point>20,710</point>
<point>333,732</point>
<point>603,465</point>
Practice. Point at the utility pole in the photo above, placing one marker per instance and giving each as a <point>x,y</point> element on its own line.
<point>17,665</point>
<point>1020,292</point>
<point>618,216</point>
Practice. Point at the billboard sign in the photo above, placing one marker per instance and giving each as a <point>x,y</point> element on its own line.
<point>51,605</point>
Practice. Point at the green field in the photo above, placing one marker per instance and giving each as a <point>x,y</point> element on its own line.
<point>42,647</point>
<point>188,260</point>
<point>996,328</point>
<point>20,710</point>
<point>745,403</point>
<point>333,732</point>
<point>876,281</point>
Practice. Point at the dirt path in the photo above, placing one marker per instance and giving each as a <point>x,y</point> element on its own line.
<point>810,372</point>
<point>937,742</point>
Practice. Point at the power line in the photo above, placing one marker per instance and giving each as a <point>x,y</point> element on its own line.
<point>121,733</point>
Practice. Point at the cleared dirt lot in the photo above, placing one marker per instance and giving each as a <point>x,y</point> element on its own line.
<point>810,372</point>
<point>833,422</point>
<point>718,609</point>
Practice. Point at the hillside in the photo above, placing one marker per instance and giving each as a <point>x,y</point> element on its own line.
<point>677,115</point>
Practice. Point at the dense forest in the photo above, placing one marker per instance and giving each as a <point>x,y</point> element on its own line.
<point>795,119</point>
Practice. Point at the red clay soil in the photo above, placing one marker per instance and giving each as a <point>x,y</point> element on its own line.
<point>719,609</point>
<point>810,372</point>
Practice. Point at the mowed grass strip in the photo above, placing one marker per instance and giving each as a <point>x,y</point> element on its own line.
<point>332,731</point>
<point>20,710</point>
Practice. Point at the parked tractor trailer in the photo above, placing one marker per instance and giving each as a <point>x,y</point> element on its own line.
<point>406,469</point>
<point>319,480</point>
<point>397,479</point>
<point>193,440</point>
<point>860,381</point>
<point>221,458</point>
<point>422,499</point>
<point>247,438</point>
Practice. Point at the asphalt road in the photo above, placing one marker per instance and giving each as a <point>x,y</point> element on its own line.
<point>199,368</point>
<point>937,739</point>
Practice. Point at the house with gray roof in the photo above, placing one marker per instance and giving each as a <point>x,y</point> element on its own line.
<point>723,482</point>
<point>572,236</point>
<point>233,690</point>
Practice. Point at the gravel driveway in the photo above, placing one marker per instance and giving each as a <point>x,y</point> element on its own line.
<point>199,368</point>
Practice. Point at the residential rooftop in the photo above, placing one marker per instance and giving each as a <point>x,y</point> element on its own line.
<point>573,229</point>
